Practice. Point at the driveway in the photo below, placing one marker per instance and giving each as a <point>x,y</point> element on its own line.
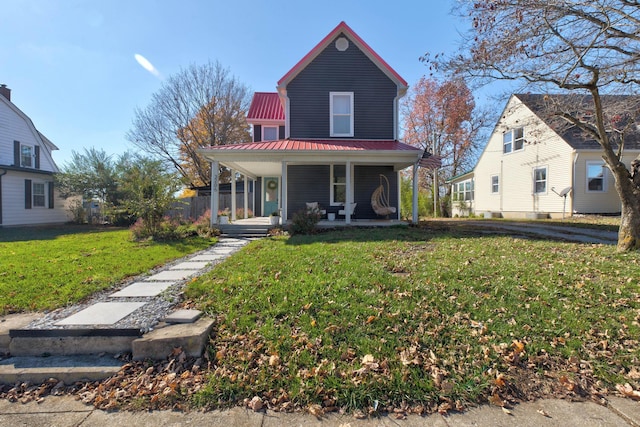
<point>545,230</point>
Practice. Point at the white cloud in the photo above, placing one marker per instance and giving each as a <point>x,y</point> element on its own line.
<point>144,62</point>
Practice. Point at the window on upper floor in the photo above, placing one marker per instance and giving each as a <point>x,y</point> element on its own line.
<point>596,177</point>
<point>269,133</point>
<point>26,156</point>
<point>513,140</point>
<point>495,184</point>
<point>341,113</point>
<point>540,180</point>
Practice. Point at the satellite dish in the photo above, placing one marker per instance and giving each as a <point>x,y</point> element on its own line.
<point>564,192</point>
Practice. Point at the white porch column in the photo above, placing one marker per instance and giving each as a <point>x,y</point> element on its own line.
<point>399,179</point>
<point>414,202</point>
<point>349,195</point>
<point>253,202</point>
<point>283,191</point>
<point>233,195</point>
<point>215,192</point>
<point>246,198</point>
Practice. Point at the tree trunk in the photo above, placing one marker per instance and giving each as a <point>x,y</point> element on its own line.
<point>629,232</point>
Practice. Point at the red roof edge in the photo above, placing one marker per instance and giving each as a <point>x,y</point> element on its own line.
<point>342,26</point>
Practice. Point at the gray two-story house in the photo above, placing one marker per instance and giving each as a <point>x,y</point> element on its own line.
<point>329,135</point>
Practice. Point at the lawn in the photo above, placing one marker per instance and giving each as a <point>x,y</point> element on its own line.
<point>47,268</point>
<point>418,319</point>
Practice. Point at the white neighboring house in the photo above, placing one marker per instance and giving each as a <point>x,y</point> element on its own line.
<point>535,168</point>
<point>27,195</point>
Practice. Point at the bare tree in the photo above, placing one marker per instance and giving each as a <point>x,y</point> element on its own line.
<point>589,49</point>
<point>200,106</point>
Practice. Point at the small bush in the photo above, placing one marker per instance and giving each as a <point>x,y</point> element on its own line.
<point>78,212</point>
<point>304,222</point>
<point>240,213</point>
<point>203,226</point>
<point>166,229</point>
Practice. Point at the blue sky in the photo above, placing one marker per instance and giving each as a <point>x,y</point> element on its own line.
<point>71,66</point>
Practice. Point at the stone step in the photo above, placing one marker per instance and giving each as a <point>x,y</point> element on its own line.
<point>70,342</point>
<point>158,344</point>
<point>69,369</point>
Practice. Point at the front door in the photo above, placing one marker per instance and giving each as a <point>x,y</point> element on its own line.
<point>270,195</point>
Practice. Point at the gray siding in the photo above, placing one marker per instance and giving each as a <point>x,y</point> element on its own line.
<point>307,183</point>
<point>367,179</point>
<point>335,71</point>
<point>311,183</point>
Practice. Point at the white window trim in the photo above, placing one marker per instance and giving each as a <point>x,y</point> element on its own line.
<point>491,183</point>
<point>276,127</point>
<point>460,195</point>
<point>605,186</point>
<point>32,165</point>
<point>513,140</point>
<point>331,132</point>
<point>546,180</point>
<point>45,194</point>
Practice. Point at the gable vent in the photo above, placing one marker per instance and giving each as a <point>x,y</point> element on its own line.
<point>342,44</point>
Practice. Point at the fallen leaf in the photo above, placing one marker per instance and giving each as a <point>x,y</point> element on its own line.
<point>506,411</point>
<point>628,391</point>
<point>543,413</point>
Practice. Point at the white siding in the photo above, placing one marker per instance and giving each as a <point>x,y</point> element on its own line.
<point>13,206</point>
<point>542,148</point>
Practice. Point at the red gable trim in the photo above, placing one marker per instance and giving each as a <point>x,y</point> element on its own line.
<point>317,145</point>
<point>342,27</point>
<point>265,106</point>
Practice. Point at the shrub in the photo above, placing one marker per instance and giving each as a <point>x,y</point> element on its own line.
<point>304,222</point>
<point>203,226</point>
<point>163,230</point>
<point>240,213</point>
<point>78,212</point>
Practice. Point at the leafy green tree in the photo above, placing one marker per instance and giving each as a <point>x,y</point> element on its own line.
<point>148,188</point>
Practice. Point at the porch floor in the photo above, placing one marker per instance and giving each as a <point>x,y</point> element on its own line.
<point>327,224</point>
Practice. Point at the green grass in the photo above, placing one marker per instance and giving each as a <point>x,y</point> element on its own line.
<point>46,268</point>
<point>418,318</point>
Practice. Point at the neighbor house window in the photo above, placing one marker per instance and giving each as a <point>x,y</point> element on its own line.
<point>38,194</point>
<point>341,113</point>
<point>513,140</point>
<point>26,156</point>
<point>495,184</point>
<point>540,180</point>
<point>463,191</point>
<point>269,133</point>
<point>596,177</point>
<point>338,184</point>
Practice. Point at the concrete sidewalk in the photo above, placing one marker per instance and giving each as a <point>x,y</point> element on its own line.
<point>65,411</point>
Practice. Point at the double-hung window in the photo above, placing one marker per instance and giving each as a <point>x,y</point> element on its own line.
<point>596,178</point>
<point>495,184</point>
<point>26,156</point>
<point>540,180</point>
<point>513,140</point>
<point>338,184</point>
<point>463,191</point>
<point>39,195</point>
<point>341,113</point>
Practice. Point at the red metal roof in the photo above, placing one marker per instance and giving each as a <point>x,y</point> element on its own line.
<point>319,145</point>
<point>266,106</point>
<point>341,28</point>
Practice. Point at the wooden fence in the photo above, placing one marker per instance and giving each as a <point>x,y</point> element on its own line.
<point>194,207</point>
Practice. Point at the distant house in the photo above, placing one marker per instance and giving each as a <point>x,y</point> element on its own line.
<point>27,195</point>
<point>329,135</point>
<point>537,167</point>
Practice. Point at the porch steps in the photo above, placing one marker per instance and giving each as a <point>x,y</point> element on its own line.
<point>245,230</point>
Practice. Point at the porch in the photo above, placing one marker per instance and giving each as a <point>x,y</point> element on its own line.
<point>259,226</point>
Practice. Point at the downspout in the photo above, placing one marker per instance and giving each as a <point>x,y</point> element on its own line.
<point>573,180</point>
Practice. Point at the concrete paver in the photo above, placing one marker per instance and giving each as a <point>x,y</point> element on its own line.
<point>170,275</point>
<point>102,313</point>
<point>207,257</point>
<point>183,316</point>
<point>190,265</point>
<point>142,289</point>
<point>626,408</point>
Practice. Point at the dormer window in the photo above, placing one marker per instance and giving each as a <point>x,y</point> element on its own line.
<point>269,133</point>
<point>513,140</point>
<point>26,156</point>
<point>341,114</point>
